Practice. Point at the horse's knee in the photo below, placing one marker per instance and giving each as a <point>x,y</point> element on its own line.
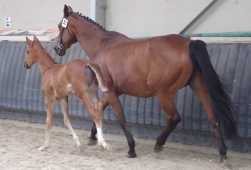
<point>174,120</point>
<point>66,120</point>
<point>213,122</point>
<point>48,123</point>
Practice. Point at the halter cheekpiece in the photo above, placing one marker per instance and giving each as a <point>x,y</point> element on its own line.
<point>64,25</point>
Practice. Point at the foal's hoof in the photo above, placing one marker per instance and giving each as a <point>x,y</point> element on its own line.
<point>92,142</point>
<point>158,148</point>
<point>43,148</point>
<point>106,146</point>
<point>82,148</point>
<point>131,155</point>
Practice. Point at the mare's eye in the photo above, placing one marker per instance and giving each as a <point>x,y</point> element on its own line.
<point>27,52</point>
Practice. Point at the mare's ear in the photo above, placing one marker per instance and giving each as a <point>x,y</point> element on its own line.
<point>70,10</point>
<point>28,41</point>
<point>67,10</point>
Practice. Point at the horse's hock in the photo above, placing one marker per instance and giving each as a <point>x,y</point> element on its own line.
<point>22,99</point>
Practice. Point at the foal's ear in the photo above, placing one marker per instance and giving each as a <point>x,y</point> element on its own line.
<point>28,41</point>
<point>67,10</point>
<point>35,39</point>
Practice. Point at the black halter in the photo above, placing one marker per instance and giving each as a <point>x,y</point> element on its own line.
<point>61,43</point>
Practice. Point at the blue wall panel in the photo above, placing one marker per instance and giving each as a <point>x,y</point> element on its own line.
<point>21,97</point>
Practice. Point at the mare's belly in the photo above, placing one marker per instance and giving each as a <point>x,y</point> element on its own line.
<point>137,89</point>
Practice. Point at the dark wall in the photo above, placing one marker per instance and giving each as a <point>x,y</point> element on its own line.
<point>21,97</point>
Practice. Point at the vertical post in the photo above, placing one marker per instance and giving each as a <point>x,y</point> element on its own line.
<point>98,11</point>
<point>93,10</point>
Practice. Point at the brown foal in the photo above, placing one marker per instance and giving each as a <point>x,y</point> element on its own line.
<point>79,77</point>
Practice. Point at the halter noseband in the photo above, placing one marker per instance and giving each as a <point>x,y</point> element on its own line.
<point>64,25</point>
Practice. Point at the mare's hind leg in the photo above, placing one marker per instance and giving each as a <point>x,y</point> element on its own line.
<point>167,104</point>
<point>199,88</point>
<point>49,102</point>
<point>113,100</point>
<point>64,105</point>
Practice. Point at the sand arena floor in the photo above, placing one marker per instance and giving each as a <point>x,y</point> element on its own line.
<point>20,141</point>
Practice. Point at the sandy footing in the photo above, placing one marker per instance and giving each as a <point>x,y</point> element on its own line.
<point>19,143</point>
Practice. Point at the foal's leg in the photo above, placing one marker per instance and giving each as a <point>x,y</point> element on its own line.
<point>199,88</point>
<point>96,113</point>
<point>64,105</point>
<point>113,100</point>
<point>92,138</point>
<point>49,102</point>
<point>167,104</point>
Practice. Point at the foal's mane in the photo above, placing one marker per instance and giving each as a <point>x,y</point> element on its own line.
<point>93,22</point>
<point>42,50</point>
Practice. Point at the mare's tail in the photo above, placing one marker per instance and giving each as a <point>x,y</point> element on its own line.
<point>222,105</point>
<point>101,81</point>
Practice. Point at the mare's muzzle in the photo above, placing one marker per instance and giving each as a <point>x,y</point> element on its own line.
<point>26,65</point>
<point>59,50</point>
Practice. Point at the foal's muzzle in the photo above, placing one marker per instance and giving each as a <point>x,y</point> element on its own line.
<point>59,50</point>
<point>26,65</point>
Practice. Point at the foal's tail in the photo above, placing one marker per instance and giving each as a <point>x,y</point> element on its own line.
<point>101,81</point>
<point>222,105</point>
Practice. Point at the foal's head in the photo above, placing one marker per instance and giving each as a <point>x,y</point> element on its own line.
<point>66,36</point>
<point>31,57</point>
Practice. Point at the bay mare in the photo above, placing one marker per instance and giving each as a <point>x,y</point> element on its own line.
<point>157,66</point>
<point>79,77</point>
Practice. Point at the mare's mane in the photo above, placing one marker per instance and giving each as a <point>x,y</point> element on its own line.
<point>91,21</point>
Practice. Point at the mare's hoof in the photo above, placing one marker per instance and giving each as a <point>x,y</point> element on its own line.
<point>158,148</point>
<point>92,142</point>
<point>223,158</point>
<point>131,155</point>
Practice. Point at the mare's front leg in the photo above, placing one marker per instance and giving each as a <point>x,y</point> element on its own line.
<point>92,137</point>
<point>64,105</point>
<point>113,100</point>
<point>49,102</point>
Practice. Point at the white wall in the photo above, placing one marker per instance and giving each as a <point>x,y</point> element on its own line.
<point>229,16</point>
<point>143,18</point>
<point>37,14</point>
<point>134,18</point>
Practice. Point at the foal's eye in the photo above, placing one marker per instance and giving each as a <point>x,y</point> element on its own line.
<point>27,52</point>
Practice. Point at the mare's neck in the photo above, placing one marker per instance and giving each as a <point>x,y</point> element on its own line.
<point>44,61</point>
<point>89,35</point>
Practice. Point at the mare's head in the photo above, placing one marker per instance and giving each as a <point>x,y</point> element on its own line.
<point>66,36</point>
<point>31,57</point>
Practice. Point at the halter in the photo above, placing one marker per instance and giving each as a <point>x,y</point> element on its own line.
<point>64,25</point>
